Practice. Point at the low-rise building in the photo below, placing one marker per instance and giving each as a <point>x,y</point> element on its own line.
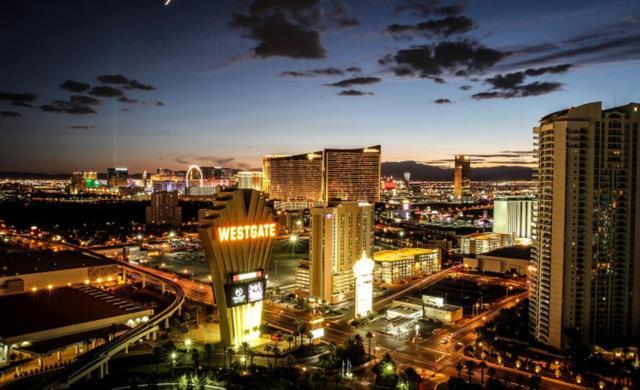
<point>435,309</point>
<point>477,243</point>
<point>512,259</point>
<point>25,270</point>
<point>52,320</point>
<point>393,265</point>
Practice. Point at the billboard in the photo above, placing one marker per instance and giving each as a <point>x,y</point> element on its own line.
<point>238,294</point>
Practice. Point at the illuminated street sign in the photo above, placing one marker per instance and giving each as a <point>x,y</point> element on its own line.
<point>246,276</point>
<point>317,333</point>
<point>246,232</point>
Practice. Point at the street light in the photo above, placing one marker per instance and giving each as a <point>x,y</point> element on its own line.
<point>187,343</point>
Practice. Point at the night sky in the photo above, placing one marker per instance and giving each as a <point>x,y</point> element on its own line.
<point>85,85</point>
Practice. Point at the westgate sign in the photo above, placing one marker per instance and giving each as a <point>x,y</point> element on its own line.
<point>246,232</point>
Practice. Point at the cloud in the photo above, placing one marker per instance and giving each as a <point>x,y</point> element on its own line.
<point>159,103</point>
<point>84,100</point>
<point>330,71</point>
<point>125,110</point>
<point>74,86</point>
<point>209,160</point>
<point>442,101</point>
<point>424,8</point>
<point>353,92</point>
<point>105,91</point>
<point>616,41</point>
<point>466,87</point>
<point>11,114</point>
<point>511,85</point>
<point>81,127</point>
<point>125,82</point>
<point>68,109</point>
<point>446,27</point>
<point>532,89</point>
<point>22,104</point>
<point>277,37</point>
<point>427,61</point>
<point>291,28</point>
<point>17,97</point>
<point>355,81</point>
<point>511,80</point>
<point>124,99</point>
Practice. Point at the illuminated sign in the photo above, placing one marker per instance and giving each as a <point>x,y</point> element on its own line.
<point>363,272</point>
<point>317,333</point>
<point>256,291</point>
<point>245,276</point>
<point>242,293</point>
<point>246,232</point>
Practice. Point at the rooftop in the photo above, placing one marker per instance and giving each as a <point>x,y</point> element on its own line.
<point>59,307</point>
<point>18,261</point>
<point>485,236</point>
<point>403,254</point>
<point>522,252</point>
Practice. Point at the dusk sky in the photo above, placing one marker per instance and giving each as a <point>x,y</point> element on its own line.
<point>85,85</point>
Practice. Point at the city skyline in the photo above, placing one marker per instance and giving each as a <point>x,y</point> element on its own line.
<point>208,73</point>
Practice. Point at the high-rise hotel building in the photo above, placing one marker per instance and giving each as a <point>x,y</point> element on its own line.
<point>585,272</point>
<point>461,177</point>
<point>352,174</point>
<point>340,234</point>
<point>328,175</point>
<point>513,215</point>
<point>296,177</point>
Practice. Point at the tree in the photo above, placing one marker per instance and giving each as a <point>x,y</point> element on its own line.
<point>157,355</point>
<point>483,366</point>
<point>369,336</point>
<point>412,378</point>
<point>275,351</point>
<point>459,368</point>
<point>295,335</point>
<point>385,371</point>
<point>230,352</point>
<point>267,349</point>
<point>246,350</point>
<point>208,348</point>
<point>289,339</point>
<point>469,365</point>
<point>534,382</point>
<point>302,330</point>
<point>195,357</point>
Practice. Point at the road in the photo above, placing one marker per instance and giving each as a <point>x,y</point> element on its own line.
<point>434,360</point>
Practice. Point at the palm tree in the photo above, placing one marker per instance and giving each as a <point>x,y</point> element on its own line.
<point>491,372</point>
<point>369,336</point>
<point>246,350</point>
<point>310,337</point>
<point>208,348</point>
<point>276,351</point>
<point>534,382</point>
<point>302,329</point>
<point>332,349</point>
<point>230,352</point>
<point>412,377</point>
<point>289,340</point>
<point>459,368</point>
<point>295,335</point>
<point>482,366</point>
<point>469,365</point>
<point>157,354</point>
<point>267,349</point>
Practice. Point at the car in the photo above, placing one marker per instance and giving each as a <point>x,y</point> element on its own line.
<point>444,341</point>
<point>276,336</point>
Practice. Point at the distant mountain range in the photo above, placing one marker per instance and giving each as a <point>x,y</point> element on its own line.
<point>392,168</point>
<point>429,172</point>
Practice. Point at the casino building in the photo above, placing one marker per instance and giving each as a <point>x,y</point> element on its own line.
<point>237,235</point>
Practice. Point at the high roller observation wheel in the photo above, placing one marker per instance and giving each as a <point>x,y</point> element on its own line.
<point>189,173</point>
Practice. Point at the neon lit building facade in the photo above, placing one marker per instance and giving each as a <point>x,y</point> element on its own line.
<point>461,177</point>
<point>237,235</point>
<point>363,274</point>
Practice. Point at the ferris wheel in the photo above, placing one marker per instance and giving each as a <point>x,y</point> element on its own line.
<point>194,176</point>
